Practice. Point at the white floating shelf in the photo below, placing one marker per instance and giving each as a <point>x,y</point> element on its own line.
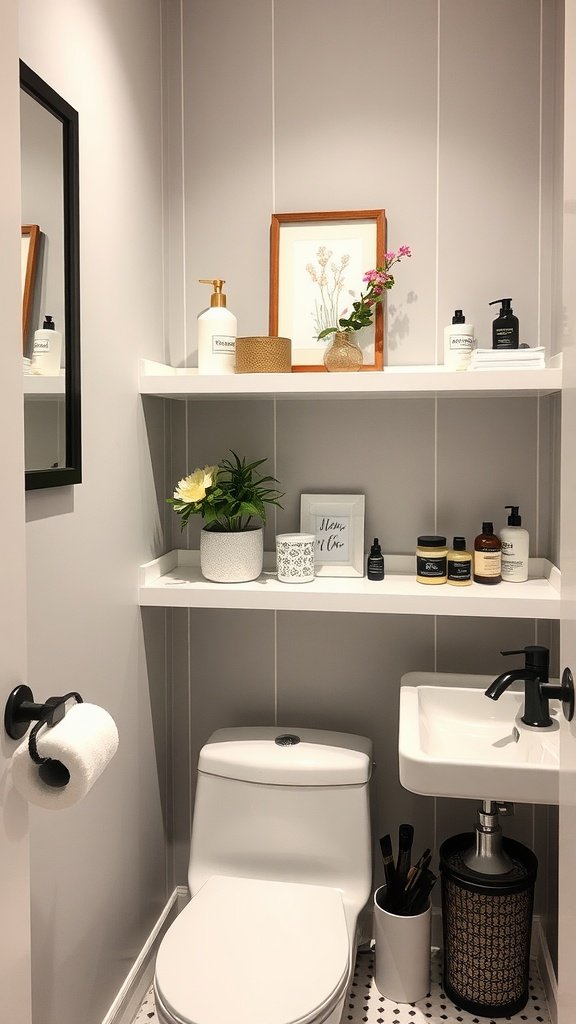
<point>174,581</point>
<point>42,387</point>
<point>171,382</point>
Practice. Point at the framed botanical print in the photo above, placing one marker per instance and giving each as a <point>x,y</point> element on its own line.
<point>317,265</point>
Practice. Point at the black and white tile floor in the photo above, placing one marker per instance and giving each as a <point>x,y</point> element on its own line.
<point>365,1005</point>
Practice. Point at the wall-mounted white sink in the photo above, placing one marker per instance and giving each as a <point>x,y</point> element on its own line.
<point>454,741</point>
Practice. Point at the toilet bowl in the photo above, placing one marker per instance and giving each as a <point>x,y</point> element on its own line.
<point>277,952</point>
<point>277,882</point>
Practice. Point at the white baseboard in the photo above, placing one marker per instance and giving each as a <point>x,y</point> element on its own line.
<point>139,978</point>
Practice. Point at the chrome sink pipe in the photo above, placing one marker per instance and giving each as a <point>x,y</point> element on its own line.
<point>487,855</point>
<point>537,689</point>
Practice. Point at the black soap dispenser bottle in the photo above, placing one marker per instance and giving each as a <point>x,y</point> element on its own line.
<point>505,328</point>
<point>375,565</point>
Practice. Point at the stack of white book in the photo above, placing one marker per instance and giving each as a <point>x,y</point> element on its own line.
<point>508,358</point>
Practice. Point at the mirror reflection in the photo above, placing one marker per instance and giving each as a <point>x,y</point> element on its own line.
<point>43,292</point>
<point>50,284</point>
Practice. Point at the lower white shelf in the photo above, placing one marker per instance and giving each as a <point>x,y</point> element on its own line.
<point>174,580</point>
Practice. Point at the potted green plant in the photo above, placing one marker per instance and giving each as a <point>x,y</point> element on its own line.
<point>231,497</point>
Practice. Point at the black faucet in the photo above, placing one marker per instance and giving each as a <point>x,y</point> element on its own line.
<point>538,691</point>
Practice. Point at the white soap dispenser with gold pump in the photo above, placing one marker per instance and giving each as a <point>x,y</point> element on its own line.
<point>217,330</point>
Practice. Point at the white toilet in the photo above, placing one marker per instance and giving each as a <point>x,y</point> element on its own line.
<point>280,868</point>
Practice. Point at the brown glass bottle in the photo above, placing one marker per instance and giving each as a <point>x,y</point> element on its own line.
<point>487,556</point>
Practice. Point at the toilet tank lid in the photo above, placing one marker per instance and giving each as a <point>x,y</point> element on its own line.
<point>287,756</point>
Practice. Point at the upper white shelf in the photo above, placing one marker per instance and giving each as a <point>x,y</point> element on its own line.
<point>171,382</point>
<point>40,386</point>
<point>174,581</point>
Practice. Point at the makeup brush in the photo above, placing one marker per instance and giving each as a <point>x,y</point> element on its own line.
<point>416,873</point>
<point>388,858</point>
<point>405,840</point>
<point>426,853</point>
<point>419,896</point>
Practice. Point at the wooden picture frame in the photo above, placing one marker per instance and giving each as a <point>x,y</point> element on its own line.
<point>337,522</point>
<point>29,262</point>
<point>315,260</point>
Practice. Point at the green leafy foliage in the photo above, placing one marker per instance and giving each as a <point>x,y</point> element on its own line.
<point>238,494</point>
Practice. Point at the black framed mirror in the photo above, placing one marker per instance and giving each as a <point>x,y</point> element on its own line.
<point>50,285</point>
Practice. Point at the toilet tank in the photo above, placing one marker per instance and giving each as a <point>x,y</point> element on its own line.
<point>284,804</point>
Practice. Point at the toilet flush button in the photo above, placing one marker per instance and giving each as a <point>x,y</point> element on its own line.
<point>287,740</point>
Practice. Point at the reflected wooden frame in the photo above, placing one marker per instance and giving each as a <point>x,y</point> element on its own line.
<point>30,251</point>
<point>324,229</point>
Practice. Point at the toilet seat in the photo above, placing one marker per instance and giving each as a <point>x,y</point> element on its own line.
<point>254,952</point>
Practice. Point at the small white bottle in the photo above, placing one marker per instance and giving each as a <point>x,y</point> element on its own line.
<point>217,330</point>
<point>458,342</point>
<point>515,545</point>
<point>47,351</point>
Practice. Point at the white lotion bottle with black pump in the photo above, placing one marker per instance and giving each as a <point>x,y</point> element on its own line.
<point>458,342</point>
<point>217,331</point>
<point>47,352</point>
<point>515,546</point>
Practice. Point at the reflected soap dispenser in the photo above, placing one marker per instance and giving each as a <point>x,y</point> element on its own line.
<point>47,351</point>
<point>217,330</point>
<point>506,327</point>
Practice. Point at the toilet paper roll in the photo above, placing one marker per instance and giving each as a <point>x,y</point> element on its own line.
<point>85,741</point>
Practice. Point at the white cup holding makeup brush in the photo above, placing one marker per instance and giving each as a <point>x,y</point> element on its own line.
<point>402,954</point>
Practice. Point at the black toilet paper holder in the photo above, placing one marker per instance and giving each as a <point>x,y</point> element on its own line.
<point>21,710</point>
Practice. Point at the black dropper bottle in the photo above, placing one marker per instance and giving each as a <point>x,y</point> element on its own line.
<point>505,328</point>
<point>375,566</point>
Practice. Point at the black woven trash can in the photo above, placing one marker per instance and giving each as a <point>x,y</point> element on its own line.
<point>487,922</point>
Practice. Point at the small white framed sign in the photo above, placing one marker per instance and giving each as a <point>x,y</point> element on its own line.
<point>337,522</point>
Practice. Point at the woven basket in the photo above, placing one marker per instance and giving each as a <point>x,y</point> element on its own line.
<point>487,922</point>
<point>263,355</point>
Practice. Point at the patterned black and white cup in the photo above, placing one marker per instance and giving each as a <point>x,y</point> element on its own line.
<point>295,557</point>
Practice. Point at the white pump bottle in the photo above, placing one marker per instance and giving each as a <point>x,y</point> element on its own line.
<point>459,343</point>
<point>47,352</point>
<point>515,545</point>
<point>217,330</point>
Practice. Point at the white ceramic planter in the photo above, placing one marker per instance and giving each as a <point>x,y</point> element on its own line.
<point>234,557</point>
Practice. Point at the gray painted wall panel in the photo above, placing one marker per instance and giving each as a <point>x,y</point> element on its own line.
<point>227,111</point>
<point>415,120</point>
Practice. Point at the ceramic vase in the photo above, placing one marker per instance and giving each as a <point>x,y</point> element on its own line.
<point>231,557</point>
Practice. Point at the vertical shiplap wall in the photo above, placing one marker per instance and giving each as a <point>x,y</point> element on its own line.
<point>441,112</point>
